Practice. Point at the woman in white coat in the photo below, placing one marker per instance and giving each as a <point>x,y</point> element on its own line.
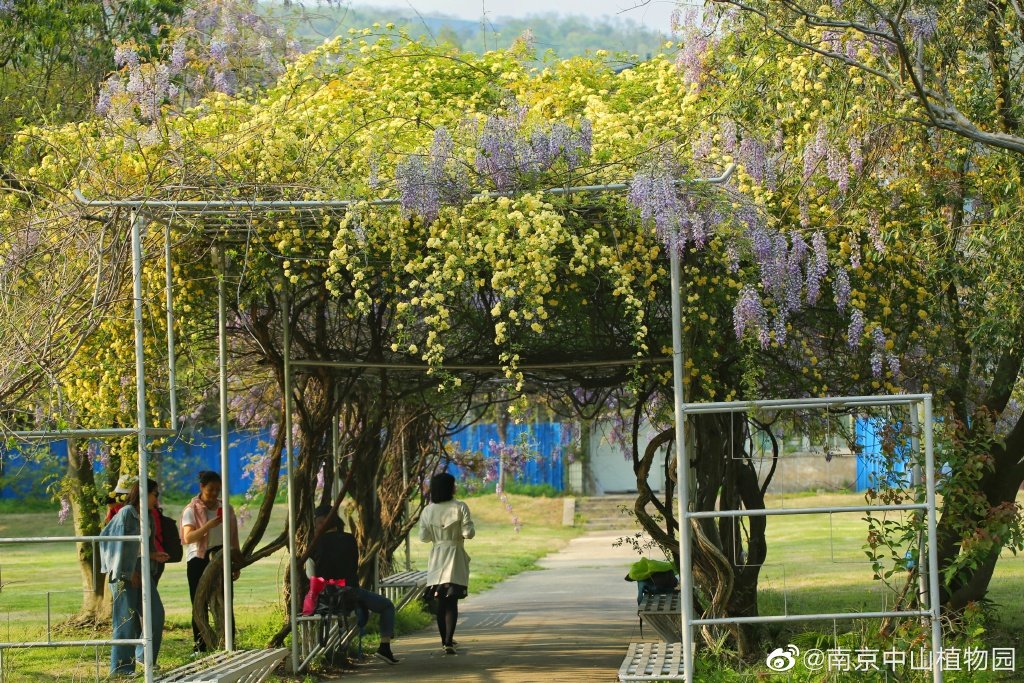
<point>447,524</point>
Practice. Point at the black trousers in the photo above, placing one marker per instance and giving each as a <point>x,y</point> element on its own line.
<point>194,571</point>
<point>195,568</point>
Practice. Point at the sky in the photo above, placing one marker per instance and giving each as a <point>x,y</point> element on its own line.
<point>653,14</point>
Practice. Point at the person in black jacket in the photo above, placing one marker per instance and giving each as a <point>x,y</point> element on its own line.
<point>336,556</point>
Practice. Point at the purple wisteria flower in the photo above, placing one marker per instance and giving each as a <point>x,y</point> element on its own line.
<point>502,153</point>
<point>732,255</point>
<point>856,156</point>
<point>875,233</point>
<point>178,56</point>
<point>841,289</point>
<point>749,313</point>
<point>728,136</point>
<point>418,194</point>
<point>876,363</point>
<point>125,56</point>
<point>702,147</point>
<point>507,151</point>
<point>219,51</point>
<point>855,331</point>
<point>837,169</point>
<point>752,155</point>
<point>224,81</point>
<point>923,25</point>
<point>676,215</point>
<point>817,267</point>
<point>65,509</point>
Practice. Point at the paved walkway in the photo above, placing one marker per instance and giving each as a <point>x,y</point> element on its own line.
<point>570,621</point>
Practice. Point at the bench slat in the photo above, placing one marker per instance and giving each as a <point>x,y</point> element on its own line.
<point>402,587</point>
<point>652,662</point>
<point>308,627</point>
<point>240,666</point>
<point>660,611</point>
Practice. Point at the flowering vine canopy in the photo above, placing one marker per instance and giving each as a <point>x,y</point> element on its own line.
<point>447,159</point>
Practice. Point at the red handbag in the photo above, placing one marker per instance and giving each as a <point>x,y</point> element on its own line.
<point>316,584</point>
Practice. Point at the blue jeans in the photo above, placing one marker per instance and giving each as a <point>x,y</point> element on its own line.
<point>126,614</point>
<point>382,606</point>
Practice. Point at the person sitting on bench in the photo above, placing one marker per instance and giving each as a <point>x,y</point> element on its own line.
<point>336,556</point>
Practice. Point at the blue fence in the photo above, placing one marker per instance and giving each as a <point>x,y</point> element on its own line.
<point>184,459</point>
<point>26,475</point>
<point>874,468</point>
<point>542,438</point>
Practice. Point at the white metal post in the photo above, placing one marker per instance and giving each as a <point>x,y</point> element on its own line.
<point>916,478</point>
<point>225,468</point>
<point>171,360</point>
<point>934,605</point>
<point>140,403</point>
<point>293,602</point>
<point>682,473</point>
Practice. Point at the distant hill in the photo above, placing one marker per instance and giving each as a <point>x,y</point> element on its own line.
<point>565,36</point>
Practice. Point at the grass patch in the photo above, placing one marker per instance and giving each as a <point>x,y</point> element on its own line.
<point>34,574</point>
<point>802,573</point>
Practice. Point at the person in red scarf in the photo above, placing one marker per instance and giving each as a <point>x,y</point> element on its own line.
<point>203,535</point>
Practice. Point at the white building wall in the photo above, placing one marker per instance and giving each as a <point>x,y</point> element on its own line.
<point>611,466</point>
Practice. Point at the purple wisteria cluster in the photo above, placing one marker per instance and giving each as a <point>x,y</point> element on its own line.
<point>425,182</point>
<point>679,216</point>
<point>922,25</point>
<point>509,150</point>
<point>513,458</point>
<point>791,275</point>
<point>220,45</point>
<point>697,34</point>
<point>840,159</point>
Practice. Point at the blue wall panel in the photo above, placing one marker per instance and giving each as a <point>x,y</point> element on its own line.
<point>544,439</point>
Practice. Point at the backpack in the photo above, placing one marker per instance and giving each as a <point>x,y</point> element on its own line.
<point>336,602</point>
<point>171,538</point>
<point>652,576</point>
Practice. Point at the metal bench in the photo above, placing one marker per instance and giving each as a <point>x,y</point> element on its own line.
<point>402,587</point>
<point>239,666</point>
<point>308,632</point>
<point>660,611</point>
<point>652,662</point>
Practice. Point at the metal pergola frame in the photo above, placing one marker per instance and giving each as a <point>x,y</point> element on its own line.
<point>928,587</point>
<point>142,210</point>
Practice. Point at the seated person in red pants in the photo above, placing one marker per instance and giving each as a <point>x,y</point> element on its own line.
<point>335,556</point>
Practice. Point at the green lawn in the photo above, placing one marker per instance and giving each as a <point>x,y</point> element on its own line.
<point>815,564</point>
<point>33,575</point>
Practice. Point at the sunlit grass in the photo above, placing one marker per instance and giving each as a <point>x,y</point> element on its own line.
<point>34,574</point>
<point>814,564</point>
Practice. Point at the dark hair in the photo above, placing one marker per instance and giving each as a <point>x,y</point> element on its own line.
<point>334,522</point>
<point>208,476</point>
<point>133,494</point>
<point>442,487</point>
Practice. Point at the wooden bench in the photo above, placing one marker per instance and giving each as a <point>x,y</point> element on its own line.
<point>308,632</point>
<point>240,666</point>
<point>402,587</point>
<point>660,611</point>
<point>652,662</point>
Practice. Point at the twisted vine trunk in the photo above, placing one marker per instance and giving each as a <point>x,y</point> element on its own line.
<point>88,520</point>
<point>726,555</point>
